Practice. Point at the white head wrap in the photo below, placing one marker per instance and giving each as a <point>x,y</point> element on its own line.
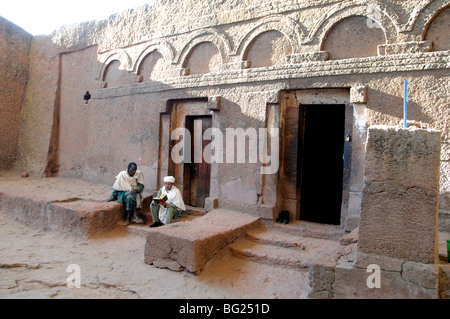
<point>169,179</point>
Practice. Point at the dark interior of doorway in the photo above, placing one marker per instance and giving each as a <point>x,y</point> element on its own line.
<point>321,148</point>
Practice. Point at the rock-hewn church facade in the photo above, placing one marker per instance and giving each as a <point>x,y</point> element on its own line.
<point>297,83</point>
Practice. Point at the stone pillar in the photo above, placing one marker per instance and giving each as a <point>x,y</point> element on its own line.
<point>358,99</point>
<point>399,209</point>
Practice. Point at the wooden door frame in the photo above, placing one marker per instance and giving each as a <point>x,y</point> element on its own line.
<point>288,190</point>
<point>170,118</point>
<point>189,168</point>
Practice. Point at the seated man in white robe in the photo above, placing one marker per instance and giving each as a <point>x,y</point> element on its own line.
<point>174,207</point>
<point>127,190</point>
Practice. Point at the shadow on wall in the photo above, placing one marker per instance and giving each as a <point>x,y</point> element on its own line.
<point>437,31</point>
<point>390,102</point>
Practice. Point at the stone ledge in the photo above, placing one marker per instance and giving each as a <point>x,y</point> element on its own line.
<point>368,65</point>
<point>190,245</point>
<point>404,48</point>
<point>74,216</point>
<point>68,206</point>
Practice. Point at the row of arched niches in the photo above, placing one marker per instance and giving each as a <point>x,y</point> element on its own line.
<point>274,40</point>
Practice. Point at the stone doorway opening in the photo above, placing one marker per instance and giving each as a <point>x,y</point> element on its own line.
<point>321,162</point>
<point>316,154</point>
<point>182,150</point>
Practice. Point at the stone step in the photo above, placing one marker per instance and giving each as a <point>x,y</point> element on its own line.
<point>190,210</point>
<point>307,229</point>
<point>190,245</point>
<point>195,211</point>
<point>282,239</point>
<point>272,245</point>
<point>302,256</point>
<point>144,229</point>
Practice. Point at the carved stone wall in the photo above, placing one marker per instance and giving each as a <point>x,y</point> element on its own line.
<point>245,52</point>
<point>14,49</point>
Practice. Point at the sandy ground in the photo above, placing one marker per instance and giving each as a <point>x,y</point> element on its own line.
<point>36,264</point>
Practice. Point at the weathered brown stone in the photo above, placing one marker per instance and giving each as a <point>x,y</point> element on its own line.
<point>351,282</point>
<point>190,245</point>
<point>14,49</point>
<point>400,196</point>
<point>78,218</point>
<point>67,206</point>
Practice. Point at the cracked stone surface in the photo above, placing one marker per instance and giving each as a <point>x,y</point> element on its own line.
<point>399,209</point>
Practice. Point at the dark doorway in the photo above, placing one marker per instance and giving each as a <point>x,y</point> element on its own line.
<point>321,149</point>
<point>197,173</point>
